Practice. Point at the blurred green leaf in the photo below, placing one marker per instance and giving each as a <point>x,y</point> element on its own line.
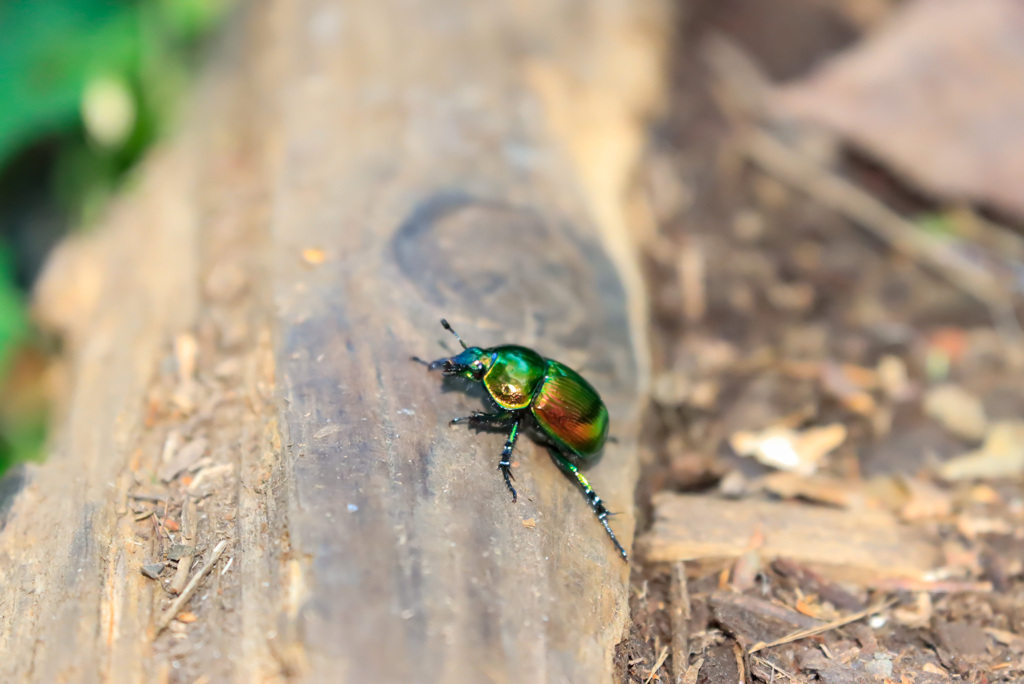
<point>52,52</point>
<point>48,50</point>
<point>13,317</point>
<point>937,224</point>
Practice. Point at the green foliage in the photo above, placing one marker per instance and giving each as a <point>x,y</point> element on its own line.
<point>98,81</point>
<point>13,318</point>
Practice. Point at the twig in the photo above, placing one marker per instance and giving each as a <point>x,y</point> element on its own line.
<point>188,539</point>
<point>820,629</point>
<point>657,665</point>
<point>931,586</point>
<point>743,92</point>
<point>190,588</point>
<point>679,595</point>
<point>148,498</point>
<point>774,668</point>
<point>867,211</point>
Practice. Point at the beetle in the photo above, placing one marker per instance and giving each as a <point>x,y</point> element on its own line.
<point>526,388</point>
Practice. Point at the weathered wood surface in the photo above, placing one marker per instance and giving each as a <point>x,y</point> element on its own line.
<point>355,171</point>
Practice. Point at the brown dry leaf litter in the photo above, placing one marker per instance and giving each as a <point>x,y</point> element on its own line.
<point>937,93</point>
<point>777,319</point>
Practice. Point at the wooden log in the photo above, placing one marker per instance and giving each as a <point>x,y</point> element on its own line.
<point>241,325</point>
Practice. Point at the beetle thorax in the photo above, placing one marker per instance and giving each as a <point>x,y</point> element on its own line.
<point>514,376</point>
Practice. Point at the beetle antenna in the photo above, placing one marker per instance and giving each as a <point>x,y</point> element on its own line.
<point>446,326</point>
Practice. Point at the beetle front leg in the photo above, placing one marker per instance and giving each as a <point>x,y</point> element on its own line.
<point>505,465</point>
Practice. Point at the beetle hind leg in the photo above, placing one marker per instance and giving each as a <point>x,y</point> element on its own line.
<point>596,504</point>
<point>505,465</point>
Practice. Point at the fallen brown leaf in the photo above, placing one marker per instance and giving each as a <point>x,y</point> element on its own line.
<point>1002,455</point>
<point>787,449</point>
<point>936,93</point>
<point>959,411</point>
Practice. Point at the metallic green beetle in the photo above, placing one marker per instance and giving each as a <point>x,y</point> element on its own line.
<point>522,384</point>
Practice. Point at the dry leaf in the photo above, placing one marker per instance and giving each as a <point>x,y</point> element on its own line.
<point>937,94</point>
<point>790,450</point>
<point>1002,455</point>
<point>959,411</point>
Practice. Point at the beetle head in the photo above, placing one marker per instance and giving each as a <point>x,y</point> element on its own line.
<point>471,363</point>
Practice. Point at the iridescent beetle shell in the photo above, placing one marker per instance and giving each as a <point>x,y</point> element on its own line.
<point>570,411</point>
<point>521,382</point>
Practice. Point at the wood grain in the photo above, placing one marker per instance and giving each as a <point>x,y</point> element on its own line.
<point>352,172</point>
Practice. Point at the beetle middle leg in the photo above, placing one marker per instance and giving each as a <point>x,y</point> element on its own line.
<point>596,504</point>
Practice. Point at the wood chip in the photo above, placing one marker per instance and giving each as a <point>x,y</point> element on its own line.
<point>181,459</point>
<point>692,672</point>
<point>859,546</point>
<point>152,570</point>
<point>752,620</point>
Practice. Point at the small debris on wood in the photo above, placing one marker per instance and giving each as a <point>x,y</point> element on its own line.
<point>208,478</point>
<point>190,588</point>
<point>149,498</point>
<point>181,459</point>
<point>179,551</point>
<point>189,524</point>
<point>152,570</point>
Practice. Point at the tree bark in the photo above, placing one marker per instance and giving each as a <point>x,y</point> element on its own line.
<point>237,339</point>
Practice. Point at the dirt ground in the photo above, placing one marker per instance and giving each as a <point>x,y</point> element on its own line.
<point>895,540</point>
